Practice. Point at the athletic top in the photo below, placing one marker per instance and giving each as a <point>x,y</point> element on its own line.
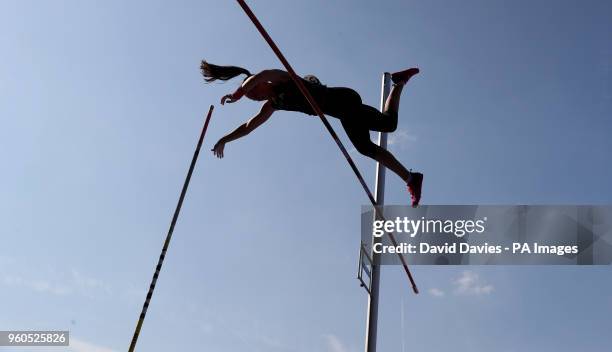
<point>287,96</point>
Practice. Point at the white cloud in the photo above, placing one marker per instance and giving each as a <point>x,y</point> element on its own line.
<point>469,283</point>
<point>77,345</point>
<point>87,284</point>
<point>436,292</point>
<point>58,284</point>
<point>135,293</point>
<point>42,286</point>
<point>401,138</point>
<point>334,344</point>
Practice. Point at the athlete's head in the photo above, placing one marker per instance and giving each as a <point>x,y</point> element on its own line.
<point>214,72</point>
<point>312,79</point>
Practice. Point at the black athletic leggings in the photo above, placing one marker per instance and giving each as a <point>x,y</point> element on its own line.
<point>357,118</point>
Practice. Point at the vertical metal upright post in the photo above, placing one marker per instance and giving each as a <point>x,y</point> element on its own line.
<point>379,196</point>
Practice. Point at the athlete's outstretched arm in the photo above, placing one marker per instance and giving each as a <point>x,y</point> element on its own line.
<point>244,129</point>
<point>272,76</point>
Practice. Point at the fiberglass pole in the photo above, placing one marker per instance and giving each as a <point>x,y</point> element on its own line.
<point>177,212</point>
<point>379,195</point>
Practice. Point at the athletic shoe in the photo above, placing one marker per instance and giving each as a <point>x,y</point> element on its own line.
<point>402,77</point>
<point>414,187</point>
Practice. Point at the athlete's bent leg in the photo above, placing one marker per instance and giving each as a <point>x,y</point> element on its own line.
<point>360,137</point>
<point>399,80</point>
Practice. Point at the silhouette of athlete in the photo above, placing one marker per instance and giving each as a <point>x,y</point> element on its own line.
<point>279,92</point>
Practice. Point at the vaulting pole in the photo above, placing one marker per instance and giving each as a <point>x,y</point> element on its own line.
<point>379,194</point>
<point>177,211</point>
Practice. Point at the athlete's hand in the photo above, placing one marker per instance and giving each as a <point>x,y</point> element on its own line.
<point>218,149</point>
<point>229,98</point>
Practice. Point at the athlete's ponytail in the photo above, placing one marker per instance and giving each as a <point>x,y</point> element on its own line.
<point>213,72</point>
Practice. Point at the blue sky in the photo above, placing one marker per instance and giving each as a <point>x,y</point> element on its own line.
<point>101,104</point>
